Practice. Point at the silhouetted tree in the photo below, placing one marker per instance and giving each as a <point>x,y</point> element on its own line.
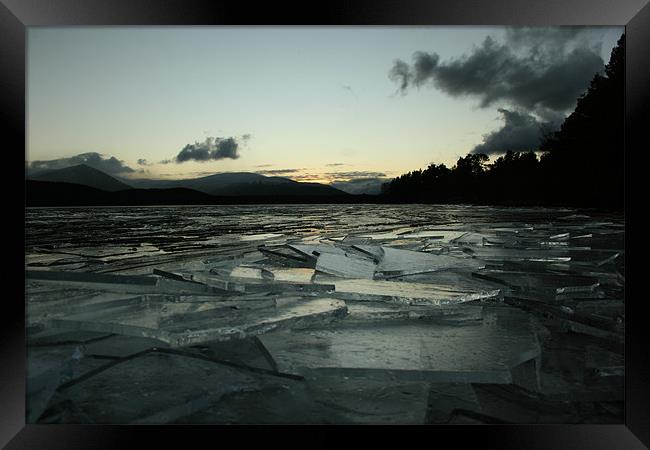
<point>582,162</point>
<point>586,154</point>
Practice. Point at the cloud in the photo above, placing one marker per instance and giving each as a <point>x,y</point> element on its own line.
<point>347,176</point>
<point>212,148</point>
<point>401,73</point>
<point>535,69</point>
<point>277,171</point>
<point>110,165</point>
<point>335,164</point>
<point>350,90</point>
<point>361,180</point>
<point>144,162</point>
<point>520,132</point>
<point>307,177</point>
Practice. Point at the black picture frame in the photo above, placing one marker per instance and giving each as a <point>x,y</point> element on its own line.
<point>16,15</point>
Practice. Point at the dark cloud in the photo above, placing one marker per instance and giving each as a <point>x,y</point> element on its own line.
<point>350,90</point>
<point>520,132</point>
<point>553,39</point>
<point>335,164</point>
<point>277,171</point>
<point>110,165</point>
<point>401,74</point>
<point>166,161</point>
<point>424,66</point>
<point>536,69</point>
<point>143,162</point>
<point>211,149</point>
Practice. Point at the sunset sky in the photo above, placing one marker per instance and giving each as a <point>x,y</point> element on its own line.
<point>309,103</point>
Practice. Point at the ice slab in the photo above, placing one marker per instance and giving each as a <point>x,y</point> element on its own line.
<point>285,256</point>
<point>313,251</point>
<point>46,373</point>
<point>543,283</point>
<point>444,236</point>
<point>470,238</point>
<point>455,314</point>
<point>250,272</point>
<point>499,254</point>
<point>597,357</point>
<point>322,400</point>
<point>256,286</point>
<point>50,259</point>
<point>37,312</point>
<point>86,277</point>
<point>374,251</point>
<point>146,389</point>
<point>405,262</point>
<point>444,398</point>
<point>406,293</point>
<point>154,320</point>
<point>411,351</point>
<point>611,308</point>
<point>292,275</point>
<point>387,234</point>
<point>514,404</point>
<point>575,217</point>
<point>121,283</point>
<point>261,237</point>
<point>345,266</point>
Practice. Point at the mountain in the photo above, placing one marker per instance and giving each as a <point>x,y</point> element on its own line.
<point>81,174</point>
<point>47,193</point>
<point>370,186</point>
<point>243,184</point>
<point>231,184</point>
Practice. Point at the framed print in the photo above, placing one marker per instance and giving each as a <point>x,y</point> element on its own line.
<point>308,219</point>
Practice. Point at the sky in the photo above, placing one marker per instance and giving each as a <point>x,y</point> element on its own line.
<point>310,103</point>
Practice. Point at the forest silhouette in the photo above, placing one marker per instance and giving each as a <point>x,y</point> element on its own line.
<point>580,164</point>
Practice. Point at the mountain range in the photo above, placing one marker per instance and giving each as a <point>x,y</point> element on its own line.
<point>221,184</point>
<point>241,183</point>
<point>81,174</point>
<point>84,185</point>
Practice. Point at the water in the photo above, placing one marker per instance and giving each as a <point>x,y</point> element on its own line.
<point>390,360</point>
<point>55,227</point>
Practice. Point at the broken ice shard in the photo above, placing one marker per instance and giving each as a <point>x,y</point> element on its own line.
<point>345,266</point>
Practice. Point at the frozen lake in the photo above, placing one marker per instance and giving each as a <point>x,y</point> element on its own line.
<point>325,314</point>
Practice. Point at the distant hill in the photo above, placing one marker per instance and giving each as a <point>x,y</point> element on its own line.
<point>371,186</point>
<point>84,175</point>
<point>220,184</point>
<point>47,193</point>
<point>244,184</point>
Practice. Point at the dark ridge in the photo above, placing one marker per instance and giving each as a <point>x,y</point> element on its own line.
<point>44,193</point>
<point>82,174</point>
<point>243,184</point>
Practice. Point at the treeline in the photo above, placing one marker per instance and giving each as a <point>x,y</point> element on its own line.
<point>580,164</point>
